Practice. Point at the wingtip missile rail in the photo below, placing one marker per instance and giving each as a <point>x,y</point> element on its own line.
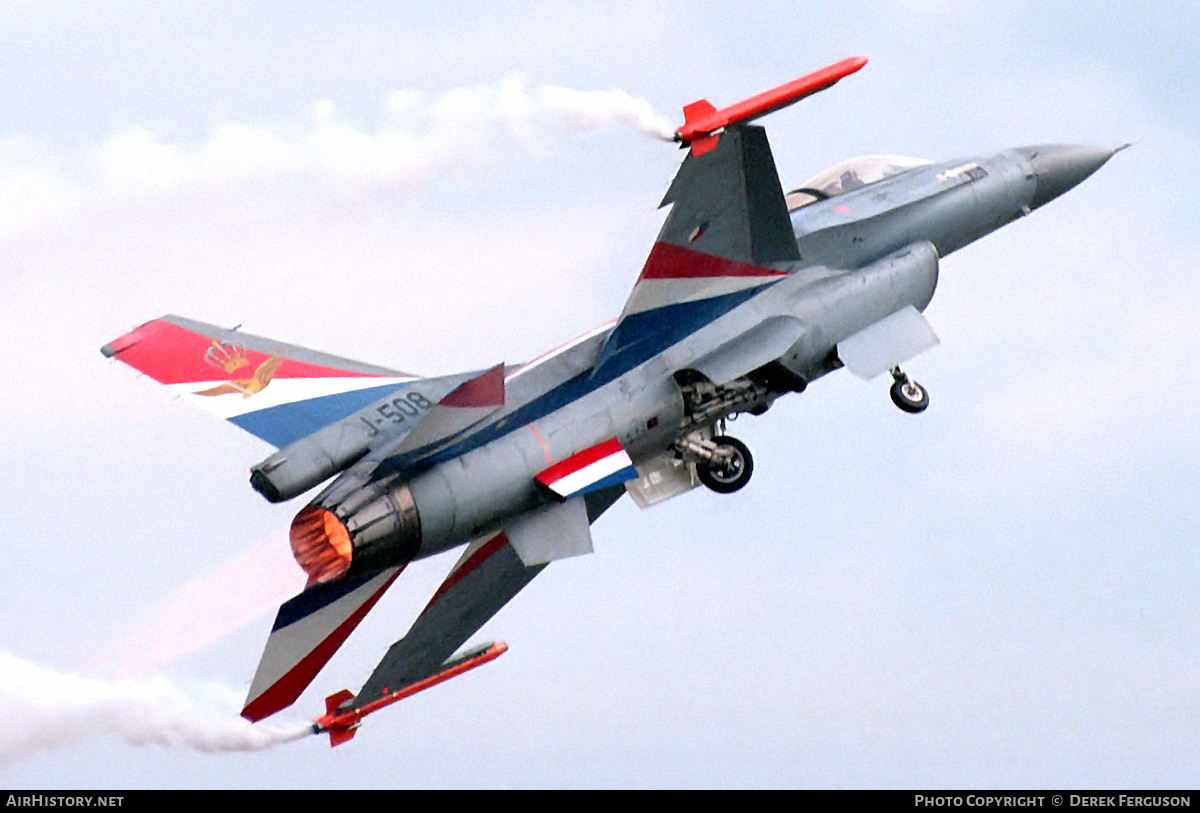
<point>343,725</point>
<point>703,123</point>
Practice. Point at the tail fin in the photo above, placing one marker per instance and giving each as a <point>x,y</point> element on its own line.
<point>337,736</point>
<point>728,203</point>
<point>727,231</point>
<point>338,698</point>
<point>695,113</point>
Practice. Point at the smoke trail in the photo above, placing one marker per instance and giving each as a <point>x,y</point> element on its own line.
<point>415,140</point>
<point>584,110</point>
<point>206,609</point>
<point>49,709</point>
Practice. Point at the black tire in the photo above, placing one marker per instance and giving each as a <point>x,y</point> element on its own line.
<point>909,395</point>
<point>737,475</point>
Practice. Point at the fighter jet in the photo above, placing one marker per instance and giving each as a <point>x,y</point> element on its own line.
<point>748,294</point>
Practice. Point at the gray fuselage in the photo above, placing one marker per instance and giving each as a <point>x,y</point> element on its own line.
<point>864,254</point>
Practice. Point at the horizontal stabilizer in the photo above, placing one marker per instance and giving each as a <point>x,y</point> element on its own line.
<point>308,630</point>
<point>377,428</point>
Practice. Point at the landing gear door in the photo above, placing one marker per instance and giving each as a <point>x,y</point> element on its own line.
<point>662,478</point>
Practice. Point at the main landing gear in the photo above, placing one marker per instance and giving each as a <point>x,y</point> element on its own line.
<point>908,394</point>
<point>724,464</point>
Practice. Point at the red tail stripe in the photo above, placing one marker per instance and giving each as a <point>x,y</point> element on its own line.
<point>668,261</point>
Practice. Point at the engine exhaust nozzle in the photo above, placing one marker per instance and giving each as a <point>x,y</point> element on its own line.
<point>321,544</point>
<point>356,526</point>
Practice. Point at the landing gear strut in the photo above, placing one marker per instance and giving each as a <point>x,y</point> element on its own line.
<point>729,468</point>
<point>908,394</point>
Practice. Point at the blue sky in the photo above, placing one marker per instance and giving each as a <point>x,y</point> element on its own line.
<point>999,592</point>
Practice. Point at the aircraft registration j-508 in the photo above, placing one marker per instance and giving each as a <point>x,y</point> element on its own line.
<point>747,295</point>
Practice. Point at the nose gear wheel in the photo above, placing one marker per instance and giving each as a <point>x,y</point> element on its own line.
<point>908,394</point>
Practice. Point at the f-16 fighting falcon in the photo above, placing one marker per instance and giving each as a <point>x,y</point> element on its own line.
<point>747,295</point>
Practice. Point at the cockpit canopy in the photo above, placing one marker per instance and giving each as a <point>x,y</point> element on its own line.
<point>849,175</point>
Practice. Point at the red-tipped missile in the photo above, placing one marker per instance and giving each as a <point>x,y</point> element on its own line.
<point>702,122</point>
<point>342,726</point>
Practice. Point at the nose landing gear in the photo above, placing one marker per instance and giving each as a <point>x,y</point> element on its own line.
<point>908,394</point>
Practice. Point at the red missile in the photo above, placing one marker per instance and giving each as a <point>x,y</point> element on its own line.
<point>702,122</point>
<point>343,726</point>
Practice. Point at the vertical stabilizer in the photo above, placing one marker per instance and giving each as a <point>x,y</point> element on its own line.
<point>729,203</point>
<point>726,234</point>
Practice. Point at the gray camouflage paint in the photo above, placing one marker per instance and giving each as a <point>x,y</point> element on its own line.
<point>850,261</point>
<point>862,256</point>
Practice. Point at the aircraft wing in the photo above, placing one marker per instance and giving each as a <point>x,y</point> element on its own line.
<point>322,412</point>
<point>276,391</point>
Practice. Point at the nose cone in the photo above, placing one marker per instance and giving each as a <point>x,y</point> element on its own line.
<point>1059,167</point>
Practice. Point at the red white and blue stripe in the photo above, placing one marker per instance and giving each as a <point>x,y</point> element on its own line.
<point>308,630</point>
<point>603,465</point>
<point>679,291</point>
<point>675,274</point>
<point>269,392</point>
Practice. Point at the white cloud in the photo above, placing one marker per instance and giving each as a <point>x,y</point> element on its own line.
<point>34,186</point>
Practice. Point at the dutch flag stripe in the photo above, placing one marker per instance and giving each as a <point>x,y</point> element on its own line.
<point>597,467</point>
